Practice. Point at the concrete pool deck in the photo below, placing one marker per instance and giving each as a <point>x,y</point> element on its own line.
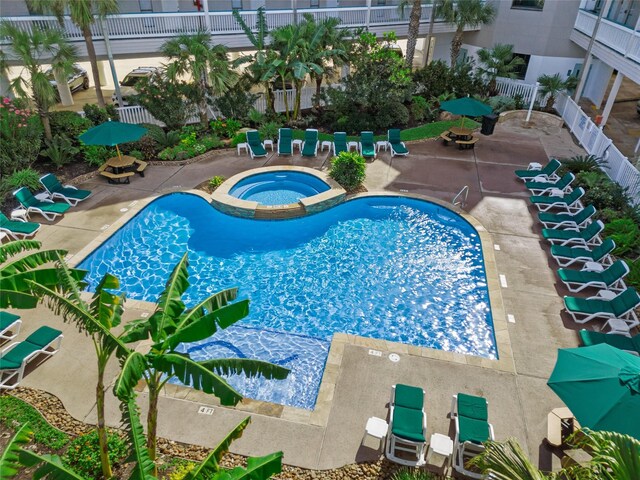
<point>519,399</point>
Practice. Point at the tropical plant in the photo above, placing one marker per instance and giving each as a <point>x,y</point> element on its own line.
<point>412,474</point>
<point>59,150</point>
<point>552,85</point>
<point>215,182</point>
<point>348,169</point>
<point>20,135</point>
<point>501,103</point>
<point>238,102</point>
<point>463,14</point>
<point>28,48</point>
<point>171,324</point>
<point>164,139</point>
<point>413,29</point>
<point>498,61</point>
<point>83,13</point>
<point>165,98</point>
<point>27,177</point>
<point>83,453</point>
<point>583,163</point>
<point>68,124</point>
<point>207,65</point>
<point>98,115</point>
<point>437,78</point>
<point>625,233</point>
<point>507,461</point>
<point>270,130</point>
<point>614,456</point>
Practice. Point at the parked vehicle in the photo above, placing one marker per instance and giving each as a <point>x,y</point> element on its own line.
<point>128,84</point>
<point>76,80</point>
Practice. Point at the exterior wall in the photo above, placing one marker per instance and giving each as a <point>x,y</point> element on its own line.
<point>550,66</point>
<point>11,8</point>
<point>597,82</point>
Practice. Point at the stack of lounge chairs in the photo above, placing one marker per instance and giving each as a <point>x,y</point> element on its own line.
<point>584,256</point>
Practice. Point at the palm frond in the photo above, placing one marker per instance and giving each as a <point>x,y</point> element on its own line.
<point>214,302</point>
<point>9,460</point>
<point>14,248</point>
<point>616,456</point>
<point>105,306</point>
<point>51,466</point>
<point>506,461</point>
<point>248,367</point>
<point>13,299</point>
<point>139,455</point>
<point>170,305</point>
<point>132,369</point>
<point>257,467</point>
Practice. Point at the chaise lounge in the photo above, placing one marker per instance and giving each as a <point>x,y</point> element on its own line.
<point>407,427</point>
<point>566,256</point>
<point>47,208</point>
<point>255,145</point>
<point>9,326</point>
<point>339,143</point>
<point>629,344</point>
<point>310,144</point>
<point>609,279</point>
<point>397,146</point>
<point>68,193</point>
<point>548,172</point>
<point>568,221</point>
<point>18,230</point>
<point>586,237</point>
<point>621,306</point>
<point>285,141</point>
<point>544,188</point>
<point>367,145</point>
<point>569,203</point>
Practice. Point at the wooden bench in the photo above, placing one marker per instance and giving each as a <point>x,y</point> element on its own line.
<point>141,165</point>
<point>116,177</point>
<point>467,143</point>
<point>446,138</point>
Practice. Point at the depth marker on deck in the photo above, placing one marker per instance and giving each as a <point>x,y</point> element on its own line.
<point>205,410</point>
<point>503,281</point>
<point>496,247</point>
<point>375,353</point>
<point>511,318</point>
<point>104,227</point>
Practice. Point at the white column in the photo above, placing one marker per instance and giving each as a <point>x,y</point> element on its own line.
<point>368,21</point>
<point>533,100</point>
<point>5,85</point>
<point>63,88</point>
<point>611,98</point>
<point>205,6</point>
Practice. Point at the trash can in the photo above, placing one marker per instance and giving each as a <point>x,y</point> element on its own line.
<point>488,124</point>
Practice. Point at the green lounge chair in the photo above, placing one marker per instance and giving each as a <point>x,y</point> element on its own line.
<point>567,221</point>
<point>17,229</point>
<point>367,145</point>
<point>608,279</point>
<point>544,188</point>
<point>9,326</point>
<point>397,146</point>
<point>310,144</point>
<point>588,236</point>
<point>471,417</point>
<point>548,172</point>
<point>583,310</point>
<point>629,344</point>
<point>14,358</point>
<point>255,145</point>
<point>68,193</point>
<point>408,425</point>
<point>339,143</point>
<point>47,208</point>
<point>569,203</point>
<point>566,256</point>
<point>285,141</point>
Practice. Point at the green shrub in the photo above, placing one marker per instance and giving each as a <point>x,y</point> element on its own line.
<point>20,136</point>
<point>607,194</point>
<point>96,155</point>
<point>60,150</point>
<point>412,474</point>
<point>348,169</point>
<point>225,128</point>
<point>582,163</point>
<point>501,103</point>
<point>181,470</point>
<point>419,108</point>
<point>68,124</point>
<point>626,233</point>
<point>238,138</point>
<point>166,99</point>
<point>210,142</point>
<point>136,154</point>
<point>83,454</point>
<point>14,413</point>
<point>256,117</point>
<point>216,181</point>
<point>238,101</point>
<point>25,178</point>
<point>165,139</point>
<point>97,115</point>
<point>270,130</point>
<point>633,277</point>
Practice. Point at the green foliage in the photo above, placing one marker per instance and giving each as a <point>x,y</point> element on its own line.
<point>60,150</point>
<point>20,135</point>
<point>582,163</point>
<point>501,103</point>
<point>256,117</point>
<point>633,277</point>
<point>419,108</point>
<point>626,233</point>
<point>238,138</point>
<point>238,101</point>
<point>181,471</point>
<point>168,139</point>
<point>270,130</point>
<point>225,128</point>
<point>552,85</point>
<point>136,154</point>
<point>190,146</point>
<point>97,115</point>
<point>14,413</point>
<point>147,146</point>
<point>602,192</point>
<point>96,155</point>
<point>438,78</point>
<point>83,454</point>
<point>498,61</point>
<point>24,178</point>
<point>216,181</point>
<point>68,124</point>
<point>519,101</point>
<point>166,99</point>
<point>348,169</point>
<point>412,474</point>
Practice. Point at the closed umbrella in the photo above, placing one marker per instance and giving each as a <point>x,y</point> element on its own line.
<point>466,106</point>
<point>601,386</point>
<point>112,133</point>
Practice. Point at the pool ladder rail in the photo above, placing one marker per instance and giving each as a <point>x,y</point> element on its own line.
<point>460,200</point>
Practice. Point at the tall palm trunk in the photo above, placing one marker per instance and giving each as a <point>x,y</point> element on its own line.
<point>296,103</point>
<point>432,22</point>
<point>91,52</point>
<point>316,101</point>
<point>102,430</point>
<point>456,45</point>
<point>412,34</point>
<point>202,102</point>
<point>44,118</point>
<point>286,98</point>
<point>269,100</point>
<point>152,420</point>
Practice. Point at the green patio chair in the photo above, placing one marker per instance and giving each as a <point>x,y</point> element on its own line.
<point>408,425</point>
<point>285,141</point>
<point>47,208</point>
<point>568,221</point>
<point>569,203</point>
<point>68,193</point>
<point>367,145</point>
<point>548,172</point>
<point>18,230</point>
<point>544,188</point>
<point>588,236</point>
<point>629,344</point>
<point>622,306</point>
<point>471,417</point>
<point>14,359</point>
<point>339,143</point>
<point>566,256</point>
<point>610,278</point>
<point>310,144</point>
<point>9,326</point>
<point>397,146</point>
<point>255,145</point>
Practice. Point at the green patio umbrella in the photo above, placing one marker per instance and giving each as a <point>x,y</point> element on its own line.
<point>601,386</point>
<point>465,106</point>
<point>112,133</point>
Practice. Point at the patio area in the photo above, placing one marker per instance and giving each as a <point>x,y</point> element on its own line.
<point>518,397</point>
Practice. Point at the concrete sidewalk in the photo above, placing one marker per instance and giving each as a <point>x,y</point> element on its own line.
<point>518,402</point>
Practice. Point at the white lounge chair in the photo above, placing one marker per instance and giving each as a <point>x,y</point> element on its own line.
<point>544,187</point>
<point>621,306</point>
<point>68,193</point>
<point>46,207</point>
<point>9,326</point>
<point>408,426</point>
<point>255,145</point>
<point>611,278</point>
<point>568,221</point>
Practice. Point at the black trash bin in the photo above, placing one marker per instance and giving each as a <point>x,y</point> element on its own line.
<point>489,124</point>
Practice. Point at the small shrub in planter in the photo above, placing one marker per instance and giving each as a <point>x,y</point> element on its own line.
<point>582,163</point>
<point>60,150</point>
<point>215,182</point>
<point>83,454</point>
<point>348,169</point>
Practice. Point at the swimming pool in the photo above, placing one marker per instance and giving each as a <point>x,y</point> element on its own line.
<point>391,268</point>
<point>278,188</point>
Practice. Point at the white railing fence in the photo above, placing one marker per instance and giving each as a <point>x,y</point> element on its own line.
<point>510,88</point>
<point>617,37</point>
<point>595,142</point>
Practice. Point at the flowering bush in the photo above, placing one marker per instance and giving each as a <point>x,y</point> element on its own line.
<point>225,128</point>
<point>186,149</point>
<point>20,136</point>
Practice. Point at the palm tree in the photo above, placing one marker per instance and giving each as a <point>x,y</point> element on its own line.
<point>552,85</point>
<point>614,456</point>
<point>83,13</point>
<point>464,13</point>
<point>414,28</point>
<point>207,65</point>
<point>498,61</point>
<point>507,461</point>
<point>31,50</point>
<point>171,324</point>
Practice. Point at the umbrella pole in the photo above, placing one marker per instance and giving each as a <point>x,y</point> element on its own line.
<point>118,150</point>
<point>461,122</point>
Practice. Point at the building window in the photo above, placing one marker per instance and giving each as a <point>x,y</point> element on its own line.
<point>521,71</point>
<point>382,3</point>
<point>145,6</point>
<point>528,4</point>
<point>236,4</point>
<point>315,4</point>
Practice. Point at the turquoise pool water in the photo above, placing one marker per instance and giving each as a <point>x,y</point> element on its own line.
<point>392,268</point>
<point>278,188</point>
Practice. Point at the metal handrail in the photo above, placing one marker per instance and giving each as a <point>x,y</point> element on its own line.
<point>460,200</point>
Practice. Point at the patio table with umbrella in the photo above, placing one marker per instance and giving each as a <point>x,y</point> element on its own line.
<point>466,107</point>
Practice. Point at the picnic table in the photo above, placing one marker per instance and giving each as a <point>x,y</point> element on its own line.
<point>120,169</point>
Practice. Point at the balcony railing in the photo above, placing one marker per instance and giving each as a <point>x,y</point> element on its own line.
<point>149,25</point>
<point>617,37</point>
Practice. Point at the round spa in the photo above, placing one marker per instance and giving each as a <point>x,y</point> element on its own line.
<point>278,187</point>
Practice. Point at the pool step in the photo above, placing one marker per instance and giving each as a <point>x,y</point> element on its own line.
<point>291,210</point>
